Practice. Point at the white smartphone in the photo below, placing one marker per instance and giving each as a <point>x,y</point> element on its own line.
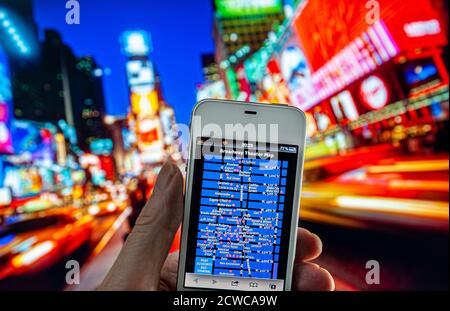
<point>242,196</point>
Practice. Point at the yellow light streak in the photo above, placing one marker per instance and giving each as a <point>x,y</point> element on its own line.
<point>422,208</point>
<point>427,185</point>
<point>411,166</point>
<point>36,252</point>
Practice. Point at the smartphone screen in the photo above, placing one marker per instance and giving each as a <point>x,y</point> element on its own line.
<point>240,215</point>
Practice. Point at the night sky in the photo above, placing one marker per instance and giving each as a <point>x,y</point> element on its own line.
<point>181,31</point>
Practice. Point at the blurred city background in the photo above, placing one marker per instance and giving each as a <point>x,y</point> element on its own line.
<point>89,112</point>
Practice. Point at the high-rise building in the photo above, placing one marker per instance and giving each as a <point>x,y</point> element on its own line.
<point>244,23</point>
<point>41,88</point>
<point>89,110</point>
<point>57,85</point>
<point>20,41</point>
<point>145,97</point>
<point>49,82</point>
<point>240,29</point>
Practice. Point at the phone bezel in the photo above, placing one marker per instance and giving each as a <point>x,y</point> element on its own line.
<point>292,130</point>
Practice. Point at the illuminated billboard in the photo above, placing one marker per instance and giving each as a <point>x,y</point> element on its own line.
<point>374,92</point>
<point>145,103</point>
<point>101,146</point>
<point>326,27</point>
<point>140,72</point>
<point>35,139</point>
<point>136,43</point>
<point>214,89</point>
<point>23,181</point>
<point>5,196</point>
<point>294,68</point>
<point>5,106</point>
<point>234,8</point>
<point>149,132</point>
<point>167,117</point>
<point>293,65</point>
<point>360,57</point>
<point>150,140</point>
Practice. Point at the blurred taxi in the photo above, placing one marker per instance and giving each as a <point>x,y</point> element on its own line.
<point>34,243</point>
<point>107,207</point>
<point>408,192</point>
<point>43,202</point>
<point>107,203</point>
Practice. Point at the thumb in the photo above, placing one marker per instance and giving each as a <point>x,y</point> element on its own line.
<point>139,264</point>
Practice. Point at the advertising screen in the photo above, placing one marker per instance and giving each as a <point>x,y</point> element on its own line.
<point>101,146</point>
<point>136,43</point>
<point>145,103</point>
<point>150,140</point>
<point>233,8</point>
<point>35,139</point>
<point>326,27</point>
<point>293,65</point>
<point>47,179</point>
<point>129,138</point>
<point>166,116</point>
<point>373,48</point>
<point>5,197</point>
<point>420,72</point>
<point>212,90</point>
<point>5,106</point>
<point>23,181</point>
<point>140,72</point>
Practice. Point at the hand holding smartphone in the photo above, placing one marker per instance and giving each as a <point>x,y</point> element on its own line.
<point>242,196</point>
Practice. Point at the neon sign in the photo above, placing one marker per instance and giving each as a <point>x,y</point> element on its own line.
<point>374,92</point>
<point>5,106</point>
<point>233,8</point>
<point>363,55</point>
<point>136,43</point>
<point>422,28</point>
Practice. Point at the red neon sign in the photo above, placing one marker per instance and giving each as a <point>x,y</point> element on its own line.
<point>325,27</point>
<point>360,57</point>
<point>374,92</point>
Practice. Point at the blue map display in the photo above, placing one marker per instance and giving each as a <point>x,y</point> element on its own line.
<point>240,219</point>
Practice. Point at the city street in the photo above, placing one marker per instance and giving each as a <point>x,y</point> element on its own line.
<point>399,191</point>
<point>401,253</point>
<point>52,277</point>
<point>393,210</point>
<point>353,230</point>
<point>400,236</point>
<point>102,258</point>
